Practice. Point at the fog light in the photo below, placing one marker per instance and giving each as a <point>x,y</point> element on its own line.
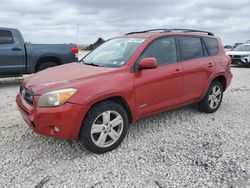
<point>56,129</point>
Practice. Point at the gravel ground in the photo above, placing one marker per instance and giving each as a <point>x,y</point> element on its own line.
<point>180,148</point>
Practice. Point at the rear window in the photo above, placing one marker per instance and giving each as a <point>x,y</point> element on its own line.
<point>211,45</point>
<point>190,48</point>
<point>6,37</point>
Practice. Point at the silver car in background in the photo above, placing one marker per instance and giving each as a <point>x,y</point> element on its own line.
<point>240,55</point>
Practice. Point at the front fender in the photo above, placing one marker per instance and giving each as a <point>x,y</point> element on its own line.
<point>127,96</point>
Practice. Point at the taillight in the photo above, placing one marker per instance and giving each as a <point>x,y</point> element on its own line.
<point>74,50</point>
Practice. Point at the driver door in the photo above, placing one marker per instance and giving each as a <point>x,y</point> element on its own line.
<point>160,88</point>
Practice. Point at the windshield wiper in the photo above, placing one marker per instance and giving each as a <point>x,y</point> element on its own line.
<point>92,64</point>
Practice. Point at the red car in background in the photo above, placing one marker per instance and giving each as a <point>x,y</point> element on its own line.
<point>125,79</point>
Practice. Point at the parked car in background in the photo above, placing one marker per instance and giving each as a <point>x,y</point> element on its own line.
<point>18,58</point>
<point>228,47</point>
<point>123,80</point>
<point>240,55</point>
<point>236,44</point>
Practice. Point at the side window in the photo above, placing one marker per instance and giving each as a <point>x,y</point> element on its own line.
<point>211,45</point>
<point>164,50</point>
<point>190,48</point>
<point>6,37</point>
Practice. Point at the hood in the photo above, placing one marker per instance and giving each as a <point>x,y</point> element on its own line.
<point>64,76</point>
<point>238,53</point>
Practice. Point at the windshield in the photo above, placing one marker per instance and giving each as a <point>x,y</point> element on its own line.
<point>243,48</point>
<point>113,53</point>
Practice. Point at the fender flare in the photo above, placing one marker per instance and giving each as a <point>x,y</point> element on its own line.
<point>212,78</point>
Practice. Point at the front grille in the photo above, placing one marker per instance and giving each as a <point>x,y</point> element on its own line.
<point>236,56</point>
<point>27,95</point>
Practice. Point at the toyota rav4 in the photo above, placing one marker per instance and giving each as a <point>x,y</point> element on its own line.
<point>125,79</point>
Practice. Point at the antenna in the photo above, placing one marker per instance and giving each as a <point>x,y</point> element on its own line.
<point>77,34</point>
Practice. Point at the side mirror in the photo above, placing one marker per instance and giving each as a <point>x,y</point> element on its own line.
<point>148,63</point>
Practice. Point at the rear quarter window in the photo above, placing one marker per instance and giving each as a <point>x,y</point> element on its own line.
<point>190,48</point>
<point>6,37</point>
<point>211,45</point>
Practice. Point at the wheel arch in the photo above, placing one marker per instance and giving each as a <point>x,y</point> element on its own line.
<point>120,100</point>
<point>46,59</point>
<point>221,78</point>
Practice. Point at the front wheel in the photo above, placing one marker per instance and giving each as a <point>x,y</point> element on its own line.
<point>104,127</point>
<point>213,98</point>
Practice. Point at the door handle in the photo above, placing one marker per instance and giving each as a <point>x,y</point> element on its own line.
<point>210,65</point>
<point>177,71</point>
<point>16,49</point>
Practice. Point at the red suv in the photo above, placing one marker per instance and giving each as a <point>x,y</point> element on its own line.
<point>123,80</point>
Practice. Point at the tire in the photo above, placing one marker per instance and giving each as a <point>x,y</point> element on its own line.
<point>98,133</point>
<point>213,98</point>
<point>46,65</point>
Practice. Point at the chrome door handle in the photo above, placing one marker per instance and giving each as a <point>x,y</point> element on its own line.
<point>16,49</point>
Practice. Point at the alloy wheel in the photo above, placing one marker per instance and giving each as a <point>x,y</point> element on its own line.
<point>107,128</point>
<point>214,97</point>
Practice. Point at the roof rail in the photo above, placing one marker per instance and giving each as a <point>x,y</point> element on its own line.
<point>192,30</point>
<point>146,31</point>
<point>172,30</point>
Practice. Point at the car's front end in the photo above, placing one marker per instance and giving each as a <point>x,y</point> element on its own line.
<point>54,102</point>
<point>51,114</point>
<point>51,101</point>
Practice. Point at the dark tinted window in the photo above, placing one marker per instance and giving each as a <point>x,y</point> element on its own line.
<point>164,50</point>
<point>6,37</point>
<point>190,48</point>
<point>211,45</point>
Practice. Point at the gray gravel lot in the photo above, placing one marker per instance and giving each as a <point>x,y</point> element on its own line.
<point>180,148</point>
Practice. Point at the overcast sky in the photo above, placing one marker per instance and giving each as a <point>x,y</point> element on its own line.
<point>56,21</point>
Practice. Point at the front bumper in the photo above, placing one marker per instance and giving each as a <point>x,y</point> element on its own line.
<point>67,118</point>
<point>238,60</point>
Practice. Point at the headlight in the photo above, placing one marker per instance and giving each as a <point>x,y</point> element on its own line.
<point>56,98</point>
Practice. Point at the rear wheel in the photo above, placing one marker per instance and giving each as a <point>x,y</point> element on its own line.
<point>213,98</point>
<point>46,65</point>
<point>104,127</point>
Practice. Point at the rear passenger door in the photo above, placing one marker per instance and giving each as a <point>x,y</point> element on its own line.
<point>11,54</point>
<point>197,67</point>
